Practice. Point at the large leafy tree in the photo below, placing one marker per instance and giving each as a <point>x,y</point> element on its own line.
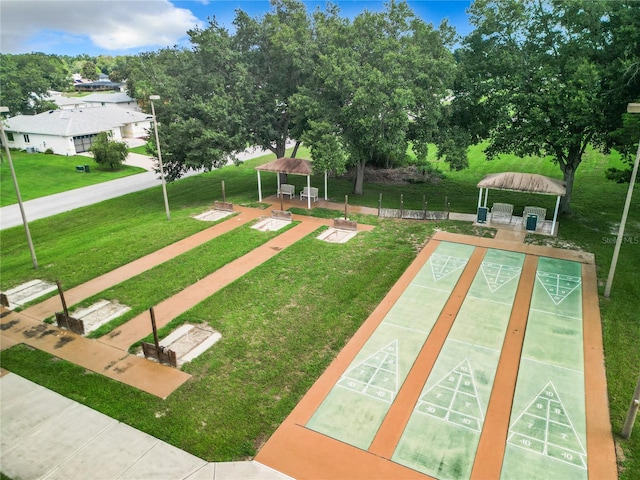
<point>200,113</point>
<point>546,77</point>
<point>26,79</point>
<point>379,83</point>
<point>276,50</point>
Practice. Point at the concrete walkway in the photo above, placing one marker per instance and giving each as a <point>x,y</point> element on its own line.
<point>47,436</point>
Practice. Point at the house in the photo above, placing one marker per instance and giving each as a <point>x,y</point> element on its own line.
<point>102,84</point>
<point>119,99</point>
<point>69,132</point>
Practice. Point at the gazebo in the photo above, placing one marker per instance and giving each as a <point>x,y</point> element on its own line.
<point>293,166</point>
<point>523,182</point>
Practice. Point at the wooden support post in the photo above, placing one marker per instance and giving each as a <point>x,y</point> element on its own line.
<point>155,330</point>
<point>346,204</point>
<point>64,303</point>
<point>224,196</point>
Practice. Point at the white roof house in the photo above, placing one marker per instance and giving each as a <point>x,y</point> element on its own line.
<point>69,132</point>
<point>119,99</point>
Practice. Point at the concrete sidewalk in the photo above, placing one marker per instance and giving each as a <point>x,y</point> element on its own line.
<point>47,436</point>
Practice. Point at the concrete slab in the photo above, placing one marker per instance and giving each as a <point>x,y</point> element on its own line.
<point>213,215</point>
<point>58,439</point>
<point>26,292</point>
<point>28,416</point>
<point>108,455</point>
<point>337,235</point>
<point>163,461</point>
<point>99,313</point>
<point>246,471</point>
<point>270,225</point>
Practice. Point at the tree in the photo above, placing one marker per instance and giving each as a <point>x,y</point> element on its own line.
<point>379,83</point>
<point>109,153</point>
<point>89,70</point>
<point>276,50</point>
<point>26,80</point>
<point>541,78</point>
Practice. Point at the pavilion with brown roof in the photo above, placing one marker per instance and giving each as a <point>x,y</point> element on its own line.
<point>293,166</point>
<point>523,182</point>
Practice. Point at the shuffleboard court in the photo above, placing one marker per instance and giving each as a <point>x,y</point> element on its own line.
<point>485,360</point>
<point>356,406</point>
<point>547,429</point>
<point>444,429</point>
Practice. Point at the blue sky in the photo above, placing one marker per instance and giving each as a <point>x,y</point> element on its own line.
<point>127,27</point>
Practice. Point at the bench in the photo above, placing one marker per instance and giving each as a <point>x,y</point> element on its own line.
<point>539,211</point>
<point>286,189</point>
<point>82,168</point>
<point>501,212</point>
<point>309,193</point>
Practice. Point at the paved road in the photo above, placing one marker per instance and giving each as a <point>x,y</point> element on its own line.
<point>81,197</point>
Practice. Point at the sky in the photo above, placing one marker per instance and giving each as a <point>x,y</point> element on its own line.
<point>128,27</point>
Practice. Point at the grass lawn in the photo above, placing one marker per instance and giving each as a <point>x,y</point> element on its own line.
<point>284,322</point>
<point>40,175</point>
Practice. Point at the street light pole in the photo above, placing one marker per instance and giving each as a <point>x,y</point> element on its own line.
<point>15,185</point>
<point>155,127</point>
<point>631,108</point>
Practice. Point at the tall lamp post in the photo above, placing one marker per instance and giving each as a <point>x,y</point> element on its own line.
<point>635,400</point>
<point>155,127</point>
<point>631,108</point>
<point>15,185</point>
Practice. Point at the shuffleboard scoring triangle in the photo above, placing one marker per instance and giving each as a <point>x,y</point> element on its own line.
<point>376,376</point>
<point>558,286</point>
<point>444,265</point>
<point>498,275</point>
<point>454,399</point>
<point>544,427</point>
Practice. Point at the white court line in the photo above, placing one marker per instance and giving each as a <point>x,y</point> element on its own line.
<point>552,365</point>
<point>555,314</point>
<point>473,345</point>
<point>406,328</point>
<point>508,304</point>
<point>429,288</point>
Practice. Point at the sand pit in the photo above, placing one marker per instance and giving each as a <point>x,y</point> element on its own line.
<point>190,341</point>
<point>271,224</point>
<point>213,215</point>
<point>99,313</point>
<point>23,294</point>
<point>336,235</point>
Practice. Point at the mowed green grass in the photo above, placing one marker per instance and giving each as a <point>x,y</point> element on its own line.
<point>284,322</point>
<point>40,175</point>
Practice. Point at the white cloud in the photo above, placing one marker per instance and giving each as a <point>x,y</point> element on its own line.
<point>109,25</point>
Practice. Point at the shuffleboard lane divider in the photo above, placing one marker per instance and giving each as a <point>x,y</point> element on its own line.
<point>493,439</point>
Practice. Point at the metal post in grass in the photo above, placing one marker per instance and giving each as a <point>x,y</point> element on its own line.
<point>64,302</point>
<point>164,183</point>
<point>155,331</point>
<point>34,260</point>
<point>631,108</point>
<point>631,415</point>
<point>346,205</point>
<point>380,205</point>
<point>224,196</point>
